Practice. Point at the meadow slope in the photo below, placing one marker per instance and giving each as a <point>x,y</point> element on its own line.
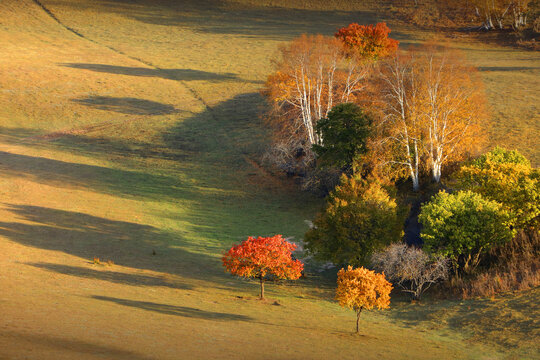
<point>130,132</point>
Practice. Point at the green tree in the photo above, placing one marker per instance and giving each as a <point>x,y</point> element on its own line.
<point>463,226</point>
<point>360,218</point>
<point>344,134</point>
<point>507,177</point>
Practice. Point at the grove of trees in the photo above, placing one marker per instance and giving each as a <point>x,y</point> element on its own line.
<point>381,117</point>
<point>312,74</point>
<point>410,112</point>
<point>432,104</point>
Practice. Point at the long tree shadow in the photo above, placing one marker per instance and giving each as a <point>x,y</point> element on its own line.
<point>74,348</point>
<point>127,244</point>
<point>509,68</point>
<point>103,179</point>
<point>127,105</point>
<point>110,276</point>
<point>175,310</point>
<point>171,74</point>
<point>217,17</point>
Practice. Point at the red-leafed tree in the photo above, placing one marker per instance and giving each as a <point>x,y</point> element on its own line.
<point>368,41</point>
<point>263,258</point>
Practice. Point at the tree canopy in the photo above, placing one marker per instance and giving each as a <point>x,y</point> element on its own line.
<point>360,289</point>
<point>360,218</point>
<point>507,177</point>
<point>462,226</point>
<point>344,133</point>
<point>263,258</point>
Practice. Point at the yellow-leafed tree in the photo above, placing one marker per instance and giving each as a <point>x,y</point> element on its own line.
<point>360,289</point>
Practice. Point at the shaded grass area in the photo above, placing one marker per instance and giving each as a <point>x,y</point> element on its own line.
<point>63,346</point>
<point>175,310</point>
<point>171,74</point>
<point>222,17</point>
<point>111,276</point>
<point>128,105</point>
<point>510,321</point>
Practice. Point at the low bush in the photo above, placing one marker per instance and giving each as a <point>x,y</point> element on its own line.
<point>512,267</point>
<point>410,268</point>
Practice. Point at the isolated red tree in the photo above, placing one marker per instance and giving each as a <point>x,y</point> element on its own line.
<point>368,41</point>
<point>263,258</point>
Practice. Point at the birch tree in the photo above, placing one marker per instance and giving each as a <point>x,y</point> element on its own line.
<point>313,74</point>
<point>404,136</point>
<point>432,104</point>
<point>495,12</point>
<point>451,107</point>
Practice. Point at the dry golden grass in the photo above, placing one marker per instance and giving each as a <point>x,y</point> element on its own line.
<point>153,164</point>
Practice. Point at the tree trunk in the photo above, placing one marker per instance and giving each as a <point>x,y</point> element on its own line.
<point>358,318</point>
<point>415,180</point>
<point>262,288</point>
<point>488,24</point>
<point>436,172</point>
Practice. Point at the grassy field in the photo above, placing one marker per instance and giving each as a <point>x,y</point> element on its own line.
<point>131,128</point>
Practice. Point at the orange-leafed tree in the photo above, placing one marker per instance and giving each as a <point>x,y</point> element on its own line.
<point>433,105</point>
<point>452,106</point>
<point>312,74</point>
<point>360,289</point>
<point>368,41</point>
<point>263,258</point>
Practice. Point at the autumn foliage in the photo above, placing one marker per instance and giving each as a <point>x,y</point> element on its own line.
<point>360,217</point>
<point>263,258</point>
<point>506,177</point>
<point>433,105</point>
<point>312,74</point>
<point>360,288</point>
<point>368,41</point>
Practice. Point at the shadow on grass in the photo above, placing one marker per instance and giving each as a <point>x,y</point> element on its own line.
<point>175,310</point>
<point>171,74</point>
<point>185,311</point>
<point>75,348</point>
<point>111,276</point>
<point>508,321</point>
<point>127,105</point>
<point>218,17</point>
<point>127,244</point>
<point>103,179</point>
<point>508,68</point>
<point>197,170</point>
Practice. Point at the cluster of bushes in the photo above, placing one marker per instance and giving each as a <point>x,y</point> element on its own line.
<point>487,15</point>
<point>481,234</point>
<point>514,20</point>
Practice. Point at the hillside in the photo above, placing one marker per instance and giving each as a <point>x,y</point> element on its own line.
<point>130,133</point>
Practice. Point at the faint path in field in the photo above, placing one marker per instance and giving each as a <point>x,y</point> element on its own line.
<point>194,93</point>
<point>105,125</point>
